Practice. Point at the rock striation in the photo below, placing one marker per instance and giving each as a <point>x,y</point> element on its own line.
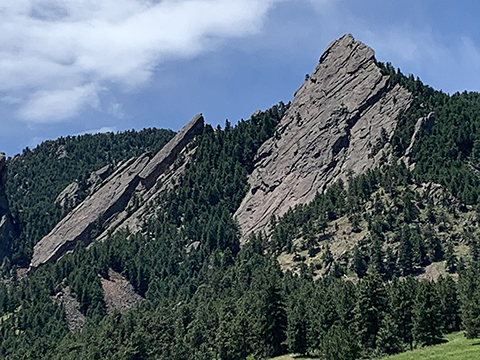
<point>116,200</point>
<point>339,124</point>
<point>7,228</point>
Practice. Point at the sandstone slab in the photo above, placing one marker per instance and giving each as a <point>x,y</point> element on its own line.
<point>91,217</point>
<point>339,124</point>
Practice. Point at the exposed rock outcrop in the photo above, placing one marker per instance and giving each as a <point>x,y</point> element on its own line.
<point>68,198</point>
<point>110,205</point>
<point>74,192</point>
<point>339,124</point>
<point>7,228</point>
<point>425,124</point>
<point>118,293</point>
<point>96,178</point>
<point>75,319</point>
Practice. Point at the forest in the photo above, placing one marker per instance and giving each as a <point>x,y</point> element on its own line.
<point>220,300</point>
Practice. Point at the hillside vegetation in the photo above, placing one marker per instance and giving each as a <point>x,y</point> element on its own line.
<point>343,277</point>
<point>36,177</point>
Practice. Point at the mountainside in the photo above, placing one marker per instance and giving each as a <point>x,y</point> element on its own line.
<point>111,206</point>
<point>7,229</point>
<point>339,124</point>
<point>342,225</point>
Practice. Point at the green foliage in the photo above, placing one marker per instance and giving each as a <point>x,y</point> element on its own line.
<point>427,319</point>
<point>36,177</point>
<point>207,298</point>
<point>370,308</point>
<point>469,289</point>
<point>447,152</point>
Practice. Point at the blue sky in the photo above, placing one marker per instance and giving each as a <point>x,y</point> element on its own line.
<point>73,66</point>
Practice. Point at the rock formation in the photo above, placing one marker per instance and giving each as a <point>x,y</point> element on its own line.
<point>116,200</point>
<point>68,197</point>
<point>425,124</point>
<point>74,192</point>
<point>7,229</point>
<point>339,124</point>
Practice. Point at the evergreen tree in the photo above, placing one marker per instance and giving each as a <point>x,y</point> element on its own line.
<point>450,258</point>
<point>427,320</point>
<point>370,308</point>
<point>297,326</point>
<point>406,256</point>
<point>401,298</point>
<point>359,262</point>
<point>389,341</point>
<point>469,286</point>
<point>339,344</point>
<point>447,291</point>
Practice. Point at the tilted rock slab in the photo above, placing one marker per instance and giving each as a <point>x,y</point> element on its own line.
<point>90,217</point>
<point>339,124</point>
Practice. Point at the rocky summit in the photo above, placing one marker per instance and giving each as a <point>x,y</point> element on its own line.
<point>339,124</point>
<point>117,202</point>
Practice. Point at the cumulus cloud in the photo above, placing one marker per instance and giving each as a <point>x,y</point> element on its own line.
<point>59,55</point>
<point>56,105</point>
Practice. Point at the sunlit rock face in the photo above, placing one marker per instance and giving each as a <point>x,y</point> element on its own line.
<point>339,124</point>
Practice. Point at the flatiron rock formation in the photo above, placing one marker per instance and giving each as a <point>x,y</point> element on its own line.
<point>110,206</point>
<point>339,123</point>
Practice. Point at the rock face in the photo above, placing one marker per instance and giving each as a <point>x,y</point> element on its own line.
<point>7,229</point>
<point>68,198</point>
<point>425,124</point>
<point>339,124</point>
<point>117,200</point>
<point>72,194</point>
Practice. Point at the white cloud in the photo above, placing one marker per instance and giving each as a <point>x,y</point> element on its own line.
<point>56,105</point>
<point>104,129</point>
<point>116,109</point>
<point>60,54</point>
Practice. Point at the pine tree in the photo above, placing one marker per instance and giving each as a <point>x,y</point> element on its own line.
<point>450,258</point>
<point>339,344</point>
<point>427,320</point>
<point>274,327</point>
<point>370,308</point>
<point>447,291</point>
<point>359,262</point>
<point>297,326</point>
<point>401,299</point>
<point>389,341</point>
<point>469,286</point>
<point>406,256</point>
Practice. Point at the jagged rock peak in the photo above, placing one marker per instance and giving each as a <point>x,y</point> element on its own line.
<point>108,204</point>
<point>339,123</point>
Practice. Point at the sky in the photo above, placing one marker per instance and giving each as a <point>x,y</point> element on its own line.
<point>69,67</point>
